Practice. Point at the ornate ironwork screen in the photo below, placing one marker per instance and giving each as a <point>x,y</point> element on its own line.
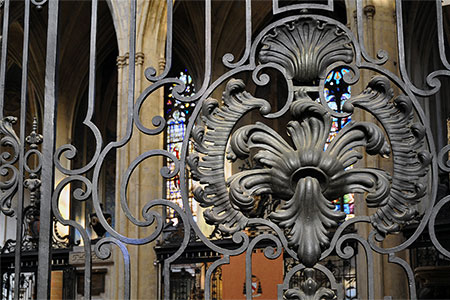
<point>291,178</point>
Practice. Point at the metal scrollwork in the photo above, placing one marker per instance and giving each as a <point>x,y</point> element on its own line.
<point>299,178</point>
<point>282,201</point>
<point>30,227</point>
<point>8,187</point>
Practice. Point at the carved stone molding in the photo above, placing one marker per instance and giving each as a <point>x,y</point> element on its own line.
<point>139,58</point>
<point>78,258</point>
<point>162,63</point>
<point>124,60</point>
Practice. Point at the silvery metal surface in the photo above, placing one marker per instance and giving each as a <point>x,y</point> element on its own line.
<point>291,178</point>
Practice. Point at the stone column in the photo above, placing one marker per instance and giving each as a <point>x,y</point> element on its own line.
<point>379,33</point>
<point>146,183</point>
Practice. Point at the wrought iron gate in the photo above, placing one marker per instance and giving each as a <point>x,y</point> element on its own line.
<point>283,199</point>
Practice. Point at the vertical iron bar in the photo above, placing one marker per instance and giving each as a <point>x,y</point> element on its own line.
<point>132,56</point>
<point>90,112</point>
<point>4,53</point>
<point>91,88</point>
<point>400,40</point>
<point>131,91</point>
<point>440,29</point>
<point>23,110</point>
<point>48,147</point>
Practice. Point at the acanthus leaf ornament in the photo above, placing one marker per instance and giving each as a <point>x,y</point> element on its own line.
<point>309,289</point>
<point>410,160</point>
<point>298,178</point>
<point>211,146</point>
<point>305,177</point>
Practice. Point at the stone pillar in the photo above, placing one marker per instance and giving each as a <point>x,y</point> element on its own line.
<point>379,33</point>
<point>145,183</point>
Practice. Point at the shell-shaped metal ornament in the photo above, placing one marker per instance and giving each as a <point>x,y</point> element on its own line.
<point>305,48</point>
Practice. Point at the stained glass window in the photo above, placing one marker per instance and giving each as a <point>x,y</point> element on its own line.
<point>337,91</point>
<point>177,113</point>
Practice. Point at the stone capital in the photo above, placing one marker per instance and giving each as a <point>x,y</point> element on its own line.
<point>139,59</point>
<point>369,11</point>
<point>122,61</point>
<point>162,63</point>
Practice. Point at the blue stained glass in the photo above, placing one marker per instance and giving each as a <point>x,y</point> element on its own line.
<point>177,115</point>
<point>346,209</point>
<point>332,104</point>
<point>336,92</point>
